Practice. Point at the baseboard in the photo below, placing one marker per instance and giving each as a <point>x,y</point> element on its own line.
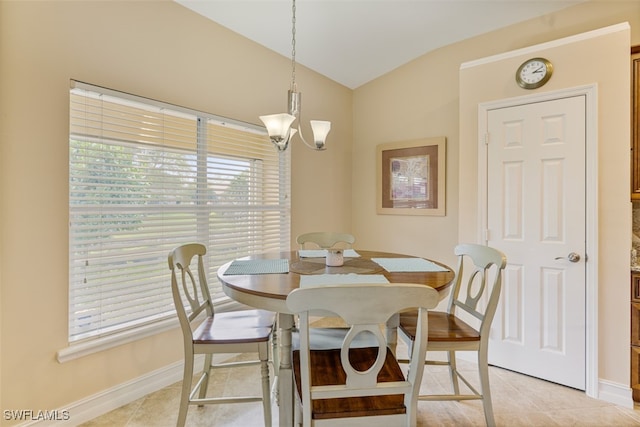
<point>100,403</point>
<point>616,393</point>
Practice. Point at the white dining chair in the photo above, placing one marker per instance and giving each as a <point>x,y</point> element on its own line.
<point>326,240</point>
<point>359,386</point>
<point>476,297</point>
<point>207,332</point>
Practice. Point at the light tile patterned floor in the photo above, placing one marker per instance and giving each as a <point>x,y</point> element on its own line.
<point>518,400</point>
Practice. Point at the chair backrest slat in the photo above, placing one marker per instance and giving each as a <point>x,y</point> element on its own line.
<point>326,239</point>
<point>365,308</point>
<point>189,289</point>
<point>483,284</point>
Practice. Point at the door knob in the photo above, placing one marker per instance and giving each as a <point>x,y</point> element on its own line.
<point>572,257</point>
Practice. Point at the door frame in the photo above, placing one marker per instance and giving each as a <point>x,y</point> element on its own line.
<point>591,205</point>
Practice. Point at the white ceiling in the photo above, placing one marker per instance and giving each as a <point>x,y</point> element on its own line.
<point>355,41</point>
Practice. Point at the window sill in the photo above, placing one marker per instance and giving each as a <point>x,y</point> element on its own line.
<point>85,348</point>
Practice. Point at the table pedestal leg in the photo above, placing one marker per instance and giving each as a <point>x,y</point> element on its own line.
<point>285,373</point>
<point>392,332</point>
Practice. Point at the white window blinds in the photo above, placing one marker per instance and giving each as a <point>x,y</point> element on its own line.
<point>145,177</point>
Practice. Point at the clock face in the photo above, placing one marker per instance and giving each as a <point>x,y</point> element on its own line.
<point>534,73</point>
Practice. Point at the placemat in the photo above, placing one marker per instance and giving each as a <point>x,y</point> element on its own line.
<point>258,266</point>
<point>358,265</point>
<point>340,279</point>
<point>407,264</point>
<point>322,253</point>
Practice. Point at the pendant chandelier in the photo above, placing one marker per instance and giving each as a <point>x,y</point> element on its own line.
<point>280,126</point>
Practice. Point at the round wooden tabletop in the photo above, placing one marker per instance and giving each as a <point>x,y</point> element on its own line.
<point>269,291</point>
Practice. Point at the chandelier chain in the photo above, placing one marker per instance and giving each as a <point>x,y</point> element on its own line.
<point>293,46</point>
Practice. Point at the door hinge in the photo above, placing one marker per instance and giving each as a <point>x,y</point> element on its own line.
<point>486,138</point>
<point>487,235</point>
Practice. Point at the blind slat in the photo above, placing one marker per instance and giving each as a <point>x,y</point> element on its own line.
<point>143,179</point>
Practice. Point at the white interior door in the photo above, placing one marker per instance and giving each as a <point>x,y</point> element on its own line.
<point>536,214</point>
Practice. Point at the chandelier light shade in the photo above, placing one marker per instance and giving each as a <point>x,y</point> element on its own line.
<point>279,129</point>
<point>320,130</point>
<point>280,126</point>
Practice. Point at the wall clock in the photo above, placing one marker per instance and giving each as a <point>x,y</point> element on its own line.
<point>533,73</point>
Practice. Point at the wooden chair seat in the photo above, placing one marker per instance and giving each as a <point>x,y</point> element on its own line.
<point>328,371</point>
<point>235,328</point>
<point>442,327</point>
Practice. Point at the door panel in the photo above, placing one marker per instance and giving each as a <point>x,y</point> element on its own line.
<point>536,215</point>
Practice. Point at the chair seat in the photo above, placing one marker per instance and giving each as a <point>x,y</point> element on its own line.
<point>235,327</point>
<point>328,371</point>
<point>442,327</point>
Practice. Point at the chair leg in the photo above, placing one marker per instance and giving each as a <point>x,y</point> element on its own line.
<point>275,351</point>
<point>187,379</point>
<point>453,371</point>
<point>206,370</point>
<point>266,388</point>
<point>483,368</point>
<point>275,358</point>
<point>297,410</point>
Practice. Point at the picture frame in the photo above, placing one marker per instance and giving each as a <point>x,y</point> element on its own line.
<point>411,177</point>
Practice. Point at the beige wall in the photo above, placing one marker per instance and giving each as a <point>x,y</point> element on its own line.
<point>161,50</point>
<point>421,99</point>
<point>156,49</point>
<point>574,66</point>
<point>431,97</point>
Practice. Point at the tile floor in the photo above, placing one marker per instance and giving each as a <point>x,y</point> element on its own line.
<point>518,400</point>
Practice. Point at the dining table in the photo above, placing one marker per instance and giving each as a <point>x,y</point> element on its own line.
<point>265,280</point>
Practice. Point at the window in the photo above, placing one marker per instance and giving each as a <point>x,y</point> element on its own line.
<point>144,177</point>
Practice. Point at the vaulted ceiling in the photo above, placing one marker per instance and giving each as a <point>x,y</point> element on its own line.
<point>355,41</point>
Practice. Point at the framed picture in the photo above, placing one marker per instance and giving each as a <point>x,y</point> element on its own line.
<point>411,177</point>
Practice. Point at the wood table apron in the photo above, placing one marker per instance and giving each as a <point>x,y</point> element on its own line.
<point>269,292</point>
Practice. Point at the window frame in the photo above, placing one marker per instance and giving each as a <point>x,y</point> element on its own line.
<point>206,152</point>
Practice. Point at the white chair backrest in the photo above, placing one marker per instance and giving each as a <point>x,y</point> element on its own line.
<point>189,289</point>
<point>364,308</point>
<point>480,296</point>
<point>326,239</point>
